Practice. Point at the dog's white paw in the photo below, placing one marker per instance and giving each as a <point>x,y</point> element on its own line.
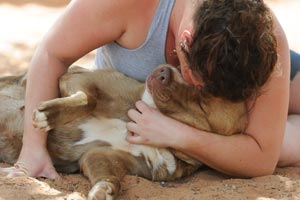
<point>13,172</point>
<point>40,121</point>
<point>102,190</point>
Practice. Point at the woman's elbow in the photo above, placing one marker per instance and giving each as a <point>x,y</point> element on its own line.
<point>262,168</point>
<point>263,171</point>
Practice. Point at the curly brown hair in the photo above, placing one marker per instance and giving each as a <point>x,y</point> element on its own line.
<point>234,49</point>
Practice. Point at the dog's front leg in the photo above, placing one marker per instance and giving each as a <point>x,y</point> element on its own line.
<point>59,111</point>
<point>105,168</point>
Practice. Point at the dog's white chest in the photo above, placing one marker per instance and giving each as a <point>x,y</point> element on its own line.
<point>114,132</point>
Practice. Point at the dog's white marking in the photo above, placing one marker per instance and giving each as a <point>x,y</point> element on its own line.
<point>114,132</point>
<point>103,187</point>
<point>40,116</point>
<point>40,120</point>
<point>81,98</point>
<point>167,157</point>
<point>147,98</point>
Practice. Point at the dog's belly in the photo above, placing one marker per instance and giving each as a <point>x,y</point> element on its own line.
<point>113,132</point>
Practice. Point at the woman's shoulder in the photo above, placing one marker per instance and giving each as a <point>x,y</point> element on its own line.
<point>110,8</point>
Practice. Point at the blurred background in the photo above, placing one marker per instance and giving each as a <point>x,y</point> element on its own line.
<point>24,22</point>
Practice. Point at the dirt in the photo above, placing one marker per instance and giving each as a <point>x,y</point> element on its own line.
<point>205,184</point>
<point>24,22</point>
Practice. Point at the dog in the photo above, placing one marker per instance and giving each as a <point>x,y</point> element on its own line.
<point>87,125</point>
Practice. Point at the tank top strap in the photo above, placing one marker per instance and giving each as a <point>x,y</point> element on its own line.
<point>138,63</point>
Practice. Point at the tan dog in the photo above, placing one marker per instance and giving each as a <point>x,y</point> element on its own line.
<point>87,125</point>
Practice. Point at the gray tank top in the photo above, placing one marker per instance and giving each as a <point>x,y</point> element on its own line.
<point>138,63</point>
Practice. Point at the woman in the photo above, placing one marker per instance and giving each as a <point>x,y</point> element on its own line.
<point>146,33</point>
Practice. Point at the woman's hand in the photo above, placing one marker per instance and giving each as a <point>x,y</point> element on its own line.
<point>150,127</point>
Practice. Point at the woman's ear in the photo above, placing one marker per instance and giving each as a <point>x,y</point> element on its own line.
<point>186,40</point>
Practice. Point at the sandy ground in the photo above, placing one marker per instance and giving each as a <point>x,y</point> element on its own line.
<point>23,22</point>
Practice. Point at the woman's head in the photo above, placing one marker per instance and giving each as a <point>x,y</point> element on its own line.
<point>233,49</point>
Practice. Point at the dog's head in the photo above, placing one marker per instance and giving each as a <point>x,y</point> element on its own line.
<point>167,91</point>
<point>171,95</point>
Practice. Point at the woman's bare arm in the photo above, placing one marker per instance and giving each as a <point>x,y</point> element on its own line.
<point>251,154</point>
<point>84,26</point>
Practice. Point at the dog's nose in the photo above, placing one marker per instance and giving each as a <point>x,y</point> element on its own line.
<point>163,75</point>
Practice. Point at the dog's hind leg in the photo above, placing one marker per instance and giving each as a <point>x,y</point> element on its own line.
<point>106,167</point>
<point>59,111</point>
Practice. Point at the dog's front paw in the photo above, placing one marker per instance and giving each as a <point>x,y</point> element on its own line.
<point>40,120</point>
<point>102,190</point>
<point>47,115</point>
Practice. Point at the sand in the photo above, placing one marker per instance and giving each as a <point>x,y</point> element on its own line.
<point>206,184</point>
<point>23,23</point>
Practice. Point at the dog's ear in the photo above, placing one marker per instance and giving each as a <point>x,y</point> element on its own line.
<point>23,80</point>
